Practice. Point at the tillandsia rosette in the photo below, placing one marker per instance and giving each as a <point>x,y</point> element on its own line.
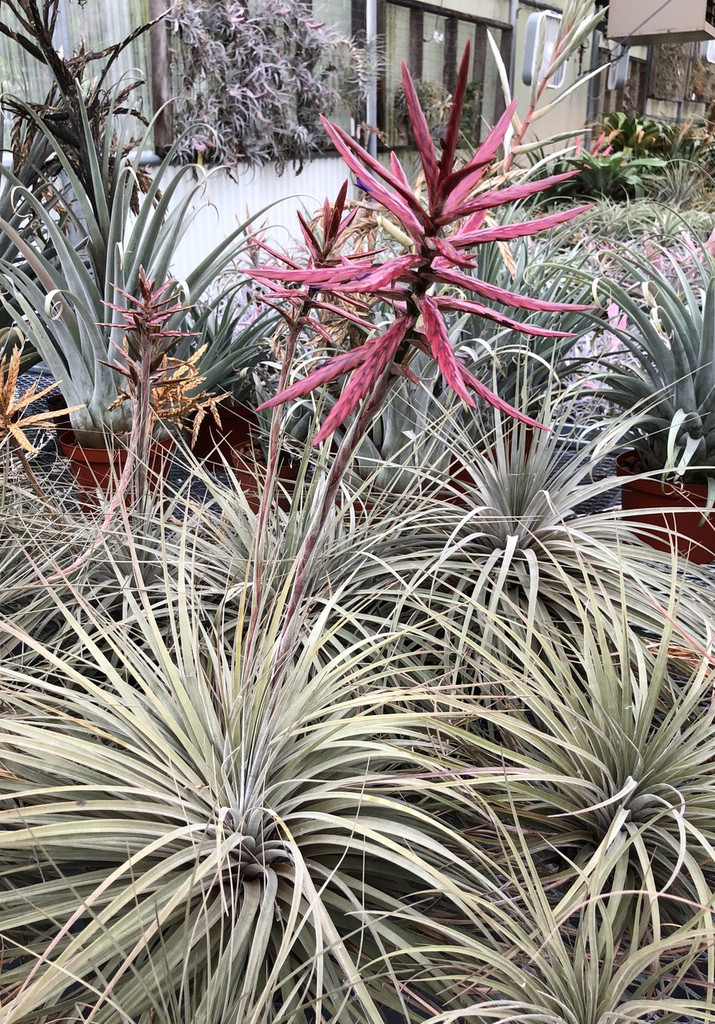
<point>668,331</point>
<point>429,280</point>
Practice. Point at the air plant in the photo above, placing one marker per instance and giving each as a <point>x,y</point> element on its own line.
<point>253,76</point>
<point>159,386</point>
<point>326,250</point>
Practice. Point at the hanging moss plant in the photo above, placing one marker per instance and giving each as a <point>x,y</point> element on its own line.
<point>672,71</point>
<point>435,101</point>
<point>254,76</point>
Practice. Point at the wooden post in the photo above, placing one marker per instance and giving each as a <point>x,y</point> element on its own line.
<point>417,27</point>
<point>160,78</point>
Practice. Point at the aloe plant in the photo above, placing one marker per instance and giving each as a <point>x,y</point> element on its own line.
<point>669,379</point>
<point>66,293</point>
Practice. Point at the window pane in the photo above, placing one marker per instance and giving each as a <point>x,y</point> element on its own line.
<point>465,31</point>
<point>493,101</point>
<point>334,14</point>
<point>20,74</point>
<point>433,48</point>
<point>397,47</point>
<point>98,26</point>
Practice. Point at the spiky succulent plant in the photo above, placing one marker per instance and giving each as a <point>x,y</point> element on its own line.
<point>669,378</point>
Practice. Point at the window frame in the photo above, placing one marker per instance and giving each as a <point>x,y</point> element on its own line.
<point>414,61</point>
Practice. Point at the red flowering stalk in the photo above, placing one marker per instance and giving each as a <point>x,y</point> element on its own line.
<point>144,365</point>
<point>148,341</point>
<point>444,235</point>
<point>325,251</point>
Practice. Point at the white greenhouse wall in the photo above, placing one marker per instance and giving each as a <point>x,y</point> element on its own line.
<point>227,203</point>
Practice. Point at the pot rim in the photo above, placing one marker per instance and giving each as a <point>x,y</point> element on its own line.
<point>652,481</point>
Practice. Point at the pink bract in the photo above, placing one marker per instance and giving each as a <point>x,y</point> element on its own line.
<point>443,235</point>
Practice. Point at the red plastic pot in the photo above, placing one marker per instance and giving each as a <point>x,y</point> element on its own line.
<point>249,468</point>
<point>215,445</point>
<point>674,512</point>
<point>98,469</point>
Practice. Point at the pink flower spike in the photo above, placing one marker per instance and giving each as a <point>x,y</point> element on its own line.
<point>402,370</point>
<point>320,278</point>
<point>451,255</point>
<point>436,333</point>
<point>274,254</point>
<point>332,219</point>
<point>391,202</point>
<point>398,170</point>
<point>502,196</point>
<point>423,138</point>
<point>498,403</point>
<point>460,183</point>
<point>472,223</point>
<point>379,353</point>
<point>358,159</point>
<point>378,277</point>
<point>310,240</point>
<point>508,298</point>
<point>505,232</point>
<point>597,145</point>
<point>329,370</point>
<point>451,137</point>
<point>470,306</point>
<point>329,307</point>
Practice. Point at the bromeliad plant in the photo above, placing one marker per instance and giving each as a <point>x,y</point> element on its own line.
<point>82,261</point>
<point>420,284</point>
<point>160,388</point>
<point>263,857</point>
<point>669,334</point>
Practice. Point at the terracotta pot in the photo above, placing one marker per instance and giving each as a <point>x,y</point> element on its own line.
<point>674,507</point>
<point>216,444</point>
<point>249,466</point>
<point>98,469</point>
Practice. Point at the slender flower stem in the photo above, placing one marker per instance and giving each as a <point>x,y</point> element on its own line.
<point>540,86</point>
<point>444,235</point>
<point>28,471</point>
<point>311,542</point>
<point>269,486</point>
<point>140,441</point>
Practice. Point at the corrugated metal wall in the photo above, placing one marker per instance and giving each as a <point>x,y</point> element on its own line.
<point>228,203</point>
